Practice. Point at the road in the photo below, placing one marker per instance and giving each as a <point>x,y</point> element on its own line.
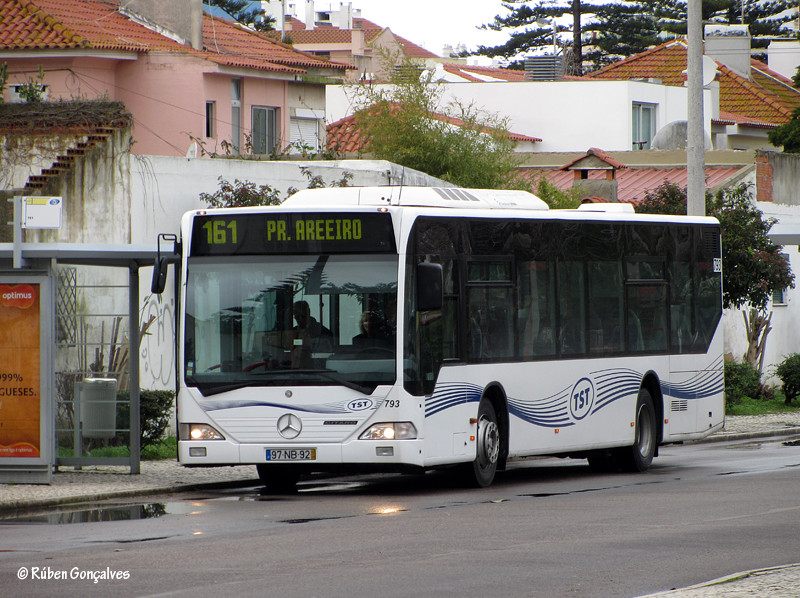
<point>547,527</point>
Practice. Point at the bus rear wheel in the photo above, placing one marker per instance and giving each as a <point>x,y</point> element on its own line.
<point>278,479</point>
<point>639,455</point>
<point>481,471</point>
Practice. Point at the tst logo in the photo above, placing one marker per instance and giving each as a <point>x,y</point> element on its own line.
<point>582,398</point>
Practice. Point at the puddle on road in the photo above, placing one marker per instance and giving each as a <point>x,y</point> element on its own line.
<point>93,514</point>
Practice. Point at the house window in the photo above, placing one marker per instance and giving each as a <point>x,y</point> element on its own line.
<point>304,134</point>
<point>265,129</point>
<point>643,123</point>
<point>210,107</point>
<point>779,295</point>
<point>236,114</point>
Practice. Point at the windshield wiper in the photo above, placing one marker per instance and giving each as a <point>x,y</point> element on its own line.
<point>332,375</point>
<point>210,388</point>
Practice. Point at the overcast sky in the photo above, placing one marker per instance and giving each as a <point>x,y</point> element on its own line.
<point>431,23</point>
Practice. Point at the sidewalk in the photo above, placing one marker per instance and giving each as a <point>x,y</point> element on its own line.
<point>96,482</point>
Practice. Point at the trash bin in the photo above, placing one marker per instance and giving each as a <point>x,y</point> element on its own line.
<point>98,407</point>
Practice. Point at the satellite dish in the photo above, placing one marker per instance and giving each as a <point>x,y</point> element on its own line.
<point>709,70</point>
<point>673,136</point>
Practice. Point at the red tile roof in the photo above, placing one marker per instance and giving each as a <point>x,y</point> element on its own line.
<point>344,135</point>
<point>328,34</point>
<point>481,73</point>
<point>229,39</point>
<point>766,99</point>
<point>51,24</point>
<point>98,25</point>
<point>633,183</point>
<point>593,151</point>
<point>665,62</point>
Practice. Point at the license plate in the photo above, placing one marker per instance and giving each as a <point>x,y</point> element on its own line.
<point>294,454</point>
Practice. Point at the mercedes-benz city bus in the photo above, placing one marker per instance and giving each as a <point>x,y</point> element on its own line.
<point>412,328</point>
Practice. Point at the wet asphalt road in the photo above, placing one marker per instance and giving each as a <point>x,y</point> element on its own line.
<point>547,527</point>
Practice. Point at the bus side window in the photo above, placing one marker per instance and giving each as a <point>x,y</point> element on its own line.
<point>572,310</point>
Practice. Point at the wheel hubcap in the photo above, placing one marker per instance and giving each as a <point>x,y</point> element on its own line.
<point>488,442</point>
<point>644,431</point>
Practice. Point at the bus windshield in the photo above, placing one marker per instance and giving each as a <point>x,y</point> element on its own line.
<point>283,320</point>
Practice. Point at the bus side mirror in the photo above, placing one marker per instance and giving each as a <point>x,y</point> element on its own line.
<point>159,275</point>
<point>159,282</point>
<point>429,287</point>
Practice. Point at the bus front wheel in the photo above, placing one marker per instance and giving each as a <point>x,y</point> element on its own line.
<point>483,468</point>
<point>639,455</point>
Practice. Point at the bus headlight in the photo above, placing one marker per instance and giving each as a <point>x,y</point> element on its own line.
<point>390,431</point>
<point>199,432</point>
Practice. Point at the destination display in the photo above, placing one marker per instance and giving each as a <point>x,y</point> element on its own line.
<point>264,233</point>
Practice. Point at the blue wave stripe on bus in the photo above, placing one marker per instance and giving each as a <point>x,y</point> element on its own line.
<point>448,395</point>
<point>699,387</point>
<point>613,385</point>
<point>325,408</point>
<point>549,412</point>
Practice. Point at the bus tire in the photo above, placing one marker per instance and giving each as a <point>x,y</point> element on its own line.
<point>482,470</point>
<point>639,455</point>
<point>278,479</point>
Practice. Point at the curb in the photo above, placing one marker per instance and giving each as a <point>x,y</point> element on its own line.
<point>723,437</point>
<point>22,506</point>
<point>721,582</point>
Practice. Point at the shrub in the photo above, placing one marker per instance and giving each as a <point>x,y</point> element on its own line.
<point>789,373</point>
<point>741,380</point>
<point>155,407</point>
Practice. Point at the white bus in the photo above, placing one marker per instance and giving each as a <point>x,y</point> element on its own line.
<point>413,328</point>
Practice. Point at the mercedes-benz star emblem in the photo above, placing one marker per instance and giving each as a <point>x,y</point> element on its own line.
<point>289,426</point>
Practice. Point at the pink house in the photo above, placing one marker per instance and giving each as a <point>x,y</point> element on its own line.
<point>193,83</point>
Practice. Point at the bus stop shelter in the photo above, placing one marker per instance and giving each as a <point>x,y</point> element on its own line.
<point>28,447</point>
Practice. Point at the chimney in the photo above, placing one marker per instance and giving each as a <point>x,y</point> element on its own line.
<point>311,16</point>
<point>343,18</point>
<point>783,56</point>
<point>729,45</point>
<point>357,41</point>
<point>181,20</point>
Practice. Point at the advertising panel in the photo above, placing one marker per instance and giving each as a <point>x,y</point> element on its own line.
<point>20,364</point>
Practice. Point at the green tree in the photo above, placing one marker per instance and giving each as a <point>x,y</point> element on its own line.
<point>3,79</point>
<point>765,19</point>
<point>532,28</point>
<point>752,265</point>
<point>408,123</point>
<point>624,29</point>
<point>246,193</point>
<point>621,29</point>
<point>246,12</point>
<point>788,134</point>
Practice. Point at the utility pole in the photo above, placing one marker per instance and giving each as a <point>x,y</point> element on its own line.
<point>695,142</point>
